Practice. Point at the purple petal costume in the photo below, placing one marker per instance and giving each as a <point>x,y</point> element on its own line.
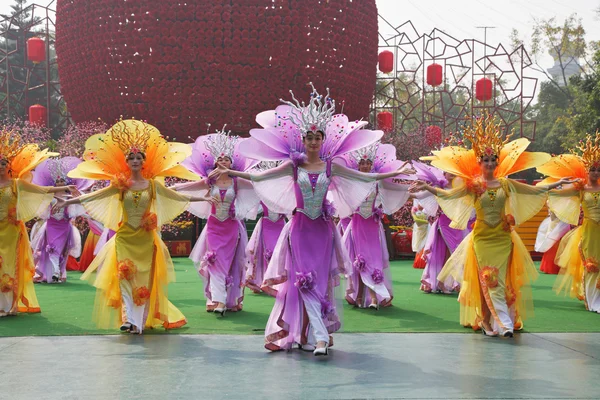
<point>364,237</point>
<point>219,253</point>
<point>441,240</point>
<point>309,255</point>
<point>54,238</point>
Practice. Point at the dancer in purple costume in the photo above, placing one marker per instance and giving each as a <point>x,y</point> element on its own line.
<point>56,238</point>
<point>441,239</point>
<point>309,255</point>
<point>220,252</point>
<point>262,242</point>
<point>370,284</point>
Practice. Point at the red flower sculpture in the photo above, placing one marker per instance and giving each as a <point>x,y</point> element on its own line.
<point>180,65</point>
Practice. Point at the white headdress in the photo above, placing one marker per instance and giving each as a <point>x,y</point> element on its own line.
<point>221,144</point>
<point>312,117</point>
<point>365,153</point>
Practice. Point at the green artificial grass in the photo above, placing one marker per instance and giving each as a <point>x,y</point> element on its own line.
<point>67,309</point>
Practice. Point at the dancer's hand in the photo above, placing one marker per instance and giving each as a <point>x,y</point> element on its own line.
<point>60,204</point>
<point>418,186</point>
<point>217,172</point>
<point>211,200</point>
<point>404,170</point>
<point>568,180</point>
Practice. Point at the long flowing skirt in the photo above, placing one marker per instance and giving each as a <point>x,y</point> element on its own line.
<point>304,271</point>
<point>220,258</point>
<point>53,243</point>
<point>579,257</point>
<point>367,248</point>
<point>548,265</point>
<point>87,254</point>
<point>17,292</point>
<point>135,269</point>
<point>492,265</point>
<point>260,251</point>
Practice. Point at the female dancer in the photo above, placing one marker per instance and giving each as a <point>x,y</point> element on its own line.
<point>550,232</point>
<point>370,284</point>
<point>220,252</point>
<point>309,255</point>
<point>579,251</point>
<point>491,264</point>
<point>135,263</point>
<point>442,240</point>
<point>20,201</point>
<point>57,238</point>
<point>262,243</point>
<point>419,233</point>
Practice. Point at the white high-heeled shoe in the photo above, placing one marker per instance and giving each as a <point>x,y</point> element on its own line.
<point>321,351</point>
<point>220,310</point>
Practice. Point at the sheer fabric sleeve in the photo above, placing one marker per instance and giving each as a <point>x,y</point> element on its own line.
<point>349,188</point>
<point>246,200</point>
<point>275,188</point>
<point>428,201</point>
<point>457,204</point>
<point>392,196</point>
<point>168,203</point>
<point>104,206</point>
<point>524,201</point>
<point>200,209</point>
<point>566,204</point>
<point>32,200</point>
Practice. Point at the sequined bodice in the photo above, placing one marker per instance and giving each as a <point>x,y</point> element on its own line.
<point>221,210</point>
<point>366,208</point>
<point>7,201</point>
<point>490,206</point>
<point>135,205</point>
<point>591,205</point>
<point>313,192</point>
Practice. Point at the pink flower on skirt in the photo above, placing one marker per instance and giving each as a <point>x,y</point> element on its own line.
<point>359,263</point>
<point>228,281</point>
<point>326,308</point>
<point>210,257</point>
<point>304,281</point>
<point>50,249</point>
<point>378,214</point>
<point>377,276</point>
<point>328,210</point>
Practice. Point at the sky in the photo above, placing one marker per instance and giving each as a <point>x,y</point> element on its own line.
<point>460,18</point>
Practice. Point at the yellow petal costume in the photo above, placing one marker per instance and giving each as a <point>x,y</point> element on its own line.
<point>20,201</point>
<point>491,264</point>
<point>134,267</point>
<point>578,254</point>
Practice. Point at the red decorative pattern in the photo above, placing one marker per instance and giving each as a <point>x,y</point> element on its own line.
<point>181,65</point>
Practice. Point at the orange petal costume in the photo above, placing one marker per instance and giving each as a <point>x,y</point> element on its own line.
<point>140,290</point>
<point>491,264</point>
<point>579,250</point>
<point>20,201</point>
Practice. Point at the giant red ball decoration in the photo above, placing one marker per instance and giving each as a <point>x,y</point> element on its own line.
<point>181,65</point>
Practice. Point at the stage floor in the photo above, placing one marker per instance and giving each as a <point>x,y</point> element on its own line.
<point>384,365</point>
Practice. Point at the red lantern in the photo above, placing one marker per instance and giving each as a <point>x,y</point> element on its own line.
<point>434,74</point>
<point>483,89</point>
<point>386,61</point>
<point>385,121</point>
<point>37,115</point>
<point>36,50</point>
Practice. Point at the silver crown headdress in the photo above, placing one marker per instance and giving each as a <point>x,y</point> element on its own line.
<point>57,170</point>
<point>267,165</point>
<point>221,144</point>
<point>312,117</point>
<point>366,153</point>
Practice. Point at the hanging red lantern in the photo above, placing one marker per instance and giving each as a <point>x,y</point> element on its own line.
<point>385,121</point>
<point>36,50</point>
<point>386,61</point>
<point>434,74</point>
<point>483,89</point>
<point>37,115</point>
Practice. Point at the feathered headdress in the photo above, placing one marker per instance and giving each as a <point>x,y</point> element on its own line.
<point>485,135</point>
<point>23,157</point>
<point>10,145</point>
<point>589,151</point>
<point>105,156</point>
<point>312,117</point>
<point>52,170</point>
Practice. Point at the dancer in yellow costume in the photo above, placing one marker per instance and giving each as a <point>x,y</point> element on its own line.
<point>20,201</point>
<point>578,254</point>
<point>134,267</point>
<point>492,264</point>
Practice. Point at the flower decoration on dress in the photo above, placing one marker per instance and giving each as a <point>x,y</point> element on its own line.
<point>489,276</point>
<point>508,222</point>
<point>591,266</point>
<point>326,308</point>
<point>359,263</point>
<point>228,281</point>
<point>477,186</point>
<point>268,254</point>
<point>210,257</point>
<point>141,295</point>
<point>377,276</point>
<point>378,214</point>
<point>511,296</point>
<point>50,249</point>
<point>589,151</point>
<point>305,281</point>
<point>149,221</point>
<point>6,283</point>
<point>12,216</point>
<point>328,210</point>
<point>126,270</point>
<point>598,283</point>
<point>311,117</point>
<point>485,135</point>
